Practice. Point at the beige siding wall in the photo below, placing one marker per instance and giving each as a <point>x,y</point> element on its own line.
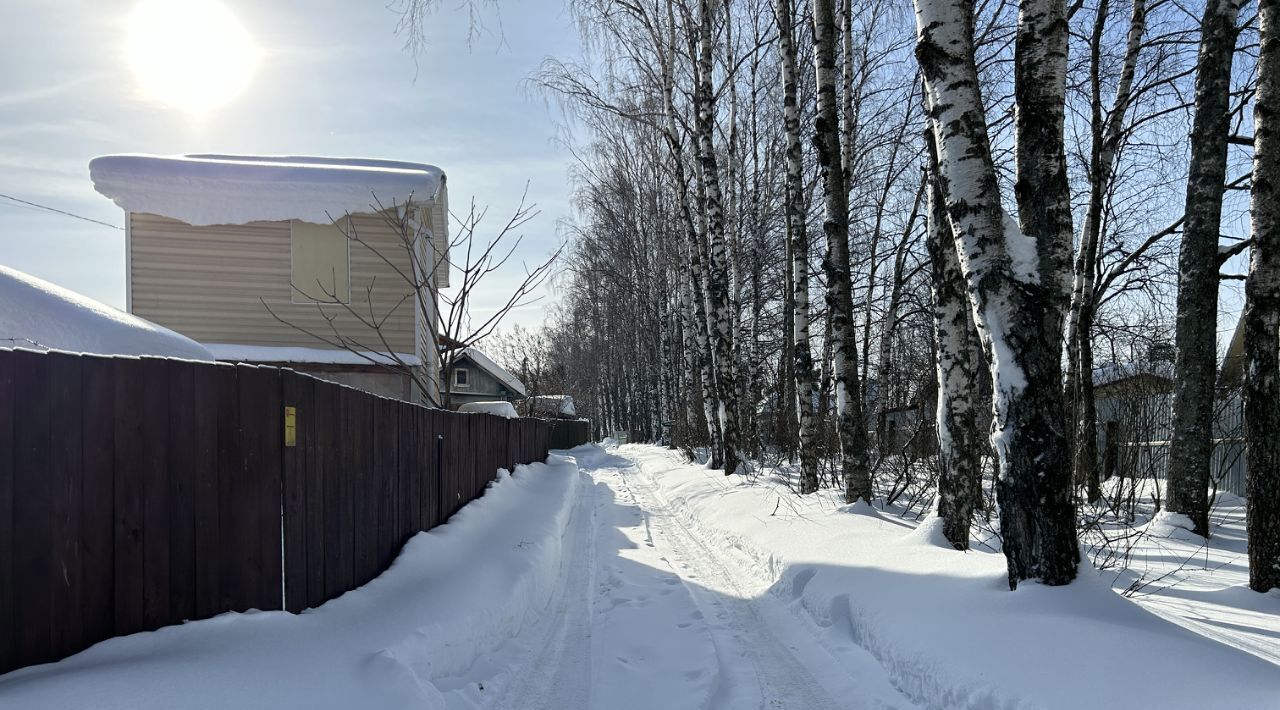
<point>209,283</point>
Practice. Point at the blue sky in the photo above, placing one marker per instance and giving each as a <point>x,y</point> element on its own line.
<point>334,80</point>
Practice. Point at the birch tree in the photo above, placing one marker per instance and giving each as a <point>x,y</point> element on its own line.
<point>956,340</point>
<point>1262,316</point>
<point>1195,367</point>
<point>720,315</point>
<point>798,247</point>
<point>1016,283</point>
<point>854,467</point>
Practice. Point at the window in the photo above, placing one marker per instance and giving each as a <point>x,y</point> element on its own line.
<point>460,375</point>
<point>321,262</point>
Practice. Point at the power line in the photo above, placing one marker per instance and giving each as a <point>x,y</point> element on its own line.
<point>58,211</point>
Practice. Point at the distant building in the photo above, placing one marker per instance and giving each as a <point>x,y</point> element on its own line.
<point>1134,404</point>
<point>474,377</point>
<point>245,253</point>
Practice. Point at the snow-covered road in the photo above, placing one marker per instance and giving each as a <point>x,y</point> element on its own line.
<point>646,614</point>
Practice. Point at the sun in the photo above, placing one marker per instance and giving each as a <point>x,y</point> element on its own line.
<point>193,55</point>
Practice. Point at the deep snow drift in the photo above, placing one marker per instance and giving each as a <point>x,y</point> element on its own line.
<point>38,315</point>
<point>943,623</point>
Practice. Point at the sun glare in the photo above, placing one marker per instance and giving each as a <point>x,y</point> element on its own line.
<point>190,54</point>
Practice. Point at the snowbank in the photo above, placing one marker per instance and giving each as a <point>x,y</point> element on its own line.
<point>943,623</point>
<point>501,409</point>
<point>36,314</point>
<point>453,595</point>
<point>237,189</point>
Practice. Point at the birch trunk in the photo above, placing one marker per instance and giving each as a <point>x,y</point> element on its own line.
<point>1015,309</point>
<point>959,365</point>
<point>1106,134</point>
<point>853,434</point>
<point>1262,316</point>
<point>1195,367</point>
<point>798,246</point>
<point>720,316</point>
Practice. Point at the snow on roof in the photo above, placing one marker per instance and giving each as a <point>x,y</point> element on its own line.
<point>207,189</point>
<point>553,404</point>
<point>234,352</point>
<point>1112,372</point>
<point>497,371</point>
<point>500,409</point>
<point>37,314</point>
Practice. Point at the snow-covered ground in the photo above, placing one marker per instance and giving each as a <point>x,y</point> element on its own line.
<point>1200,585</point>
<point>627,578</point>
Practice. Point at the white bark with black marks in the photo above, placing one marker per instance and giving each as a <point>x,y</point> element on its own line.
<point>1012,300</point>
<point>959,375</point>
<point>720,312</point>
<point>806,387</point>
<point>826,138</point>
<point>1195,369</point>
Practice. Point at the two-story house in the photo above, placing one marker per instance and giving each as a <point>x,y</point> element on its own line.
<point>326,265</point>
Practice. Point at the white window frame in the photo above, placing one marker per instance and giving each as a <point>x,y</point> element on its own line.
<point>466,371</point>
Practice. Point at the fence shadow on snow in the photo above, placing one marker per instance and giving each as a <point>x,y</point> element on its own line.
<point>141,492</point>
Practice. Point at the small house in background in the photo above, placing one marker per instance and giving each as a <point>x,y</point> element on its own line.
<point>1134,405</point>
<point>263,259</point>
<point>472,376</point>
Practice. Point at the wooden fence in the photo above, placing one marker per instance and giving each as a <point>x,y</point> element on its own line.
<point>141,492</point>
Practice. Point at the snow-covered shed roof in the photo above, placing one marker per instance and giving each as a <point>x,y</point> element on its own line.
<point>39,315</point>
<point>205,189</point>
<point>552,405</point>
<point>498,372</point>
<point>499,409</point>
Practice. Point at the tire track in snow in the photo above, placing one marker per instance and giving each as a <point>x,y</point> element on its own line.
<point>759,629</point>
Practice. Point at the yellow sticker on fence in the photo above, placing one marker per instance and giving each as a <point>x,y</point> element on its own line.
<point>290,426</point>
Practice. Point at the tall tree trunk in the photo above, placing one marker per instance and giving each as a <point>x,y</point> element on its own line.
<point>798,245</point>
<point>697,272</point>
<point>826,138</point>
<point>1106,134</point>
<point>959,365</point>
<point>720,317</point>
<point>1262,316</point>
<point>1013,283</point>
<point>1195,368</point>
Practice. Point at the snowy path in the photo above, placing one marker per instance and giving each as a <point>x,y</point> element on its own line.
<point>647,615</point>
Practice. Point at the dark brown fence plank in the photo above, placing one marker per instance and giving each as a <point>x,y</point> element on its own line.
<point>8,401</point>
<point>231,496</point>
<point>97,499</point>
<point>386,434</point>
<point>205,516</point>
<point>156,526</point>
<point>261,424</point>
<point>320,442</point>
<point>66,480</point>
<point>33,561</point>
<point>183,477</point>
<point>129,491</point>
<point>295,391</point>
<point>339,484</point>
